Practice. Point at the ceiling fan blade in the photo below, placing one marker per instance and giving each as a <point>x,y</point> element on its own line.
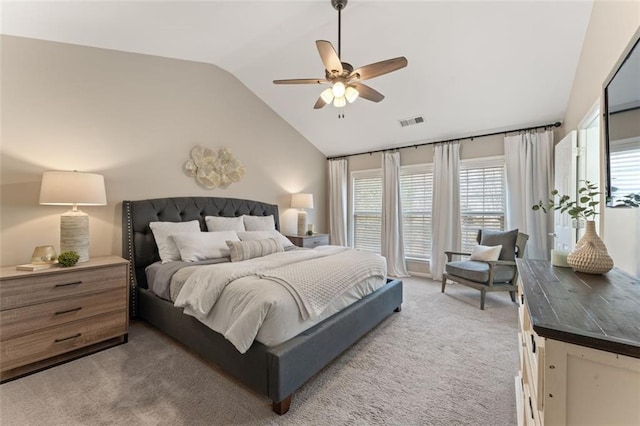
<point>301,81</point>
<point>329,57</point>
<point>379,68</point>
<point>367,92</point>
<point>320,103</point>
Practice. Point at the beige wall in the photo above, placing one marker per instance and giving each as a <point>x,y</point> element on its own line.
<point>611,27</point>
<point>134,119</point>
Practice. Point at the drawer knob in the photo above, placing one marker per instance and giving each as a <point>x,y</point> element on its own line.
<point>64,285</point>
<point>68,310</point>
<point>64,339</point>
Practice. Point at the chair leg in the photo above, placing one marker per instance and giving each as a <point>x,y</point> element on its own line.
<point>444,283</point>
<point>482,294</point>
<point>513,296</point>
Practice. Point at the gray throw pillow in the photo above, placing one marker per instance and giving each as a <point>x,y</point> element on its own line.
<point>507,239</point>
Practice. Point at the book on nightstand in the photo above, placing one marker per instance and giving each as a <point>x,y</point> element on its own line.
<point>34,266</point>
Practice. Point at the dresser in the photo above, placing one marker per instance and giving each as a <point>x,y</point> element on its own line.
<point>53,315</point>
<point>309,241</point>
<point>579,345</point>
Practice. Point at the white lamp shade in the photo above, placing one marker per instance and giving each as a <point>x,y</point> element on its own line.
<point>302,201</point>
<point>69,188</point>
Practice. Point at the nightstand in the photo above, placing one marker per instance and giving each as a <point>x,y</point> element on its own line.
<point>54,315</point>
<point>309,241</point>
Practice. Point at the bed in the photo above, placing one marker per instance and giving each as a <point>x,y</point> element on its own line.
<point>274,371</point>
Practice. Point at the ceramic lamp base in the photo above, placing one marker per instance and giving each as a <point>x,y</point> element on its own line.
<point>302,222</point>
<point>74,233</point>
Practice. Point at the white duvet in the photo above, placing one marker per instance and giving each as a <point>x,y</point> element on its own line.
<point>233,300</point>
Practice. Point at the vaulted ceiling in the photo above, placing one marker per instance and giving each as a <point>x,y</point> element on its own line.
<point>474,66</point>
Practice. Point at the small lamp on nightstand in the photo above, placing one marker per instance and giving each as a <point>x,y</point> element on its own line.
<point>302,201</point>
<point>60,188</point>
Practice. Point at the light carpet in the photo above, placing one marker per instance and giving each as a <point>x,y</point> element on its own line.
<point>440,361</point>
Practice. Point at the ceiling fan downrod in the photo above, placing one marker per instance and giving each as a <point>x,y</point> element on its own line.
<point>339,5</point>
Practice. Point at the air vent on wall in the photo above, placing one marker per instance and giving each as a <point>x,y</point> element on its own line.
<point>411,121</point>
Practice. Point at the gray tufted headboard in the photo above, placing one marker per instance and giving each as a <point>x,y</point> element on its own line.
<point>138,244</point>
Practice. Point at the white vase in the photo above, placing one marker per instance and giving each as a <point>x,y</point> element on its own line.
<point>590,254</point>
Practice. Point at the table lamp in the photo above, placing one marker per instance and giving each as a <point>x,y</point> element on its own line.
<point>302,202</point>
<point>65,188</point>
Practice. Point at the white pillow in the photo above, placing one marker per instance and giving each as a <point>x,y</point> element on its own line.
<point>245,250</point>
<point>486,252</point>
<point>162,232</point>
<point>259,223</point>
<point>220,223</point>
<point>203,245</point>
<point>263,235</point>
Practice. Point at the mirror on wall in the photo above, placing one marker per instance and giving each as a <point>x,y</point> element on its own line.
<point>622,127</point>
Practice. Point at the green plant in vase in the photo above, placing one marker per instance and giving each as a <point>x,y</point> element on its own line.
<point>590,254</point>
<point>584,208</point>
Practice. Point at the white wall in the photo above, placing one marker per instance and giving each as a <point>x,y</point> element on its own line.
<point>134,119</point>
<point>611,27</point>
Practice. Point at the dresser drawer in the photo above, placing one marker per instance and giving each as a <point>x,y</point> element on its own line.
<point>63,338</point>
<point>29,290</point>
<point>19,321</point>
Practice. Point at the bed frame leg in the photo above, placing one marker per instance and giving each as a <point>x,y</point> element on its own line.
<point>398,309</point>
<point>283,406</point>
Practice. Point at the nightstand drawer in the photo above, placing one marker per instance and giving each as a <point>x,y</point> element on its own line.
<point>19,321</point>
<point>309,241</point>
<point>64,338</point>
<point>29,290</point>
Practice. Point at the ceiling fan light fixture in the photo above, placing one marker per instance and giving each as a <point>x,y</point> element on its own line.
<point>339,101</point>
<point>338,89</point>
<point>351,93</point>
<point>327,95</point>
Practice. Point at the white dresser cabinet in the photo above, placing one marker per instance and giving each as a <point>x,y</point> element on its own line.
<point>579,344</point>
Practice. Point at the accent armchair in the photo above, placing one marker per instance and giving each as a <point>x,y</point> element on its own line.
<point>489,275</point>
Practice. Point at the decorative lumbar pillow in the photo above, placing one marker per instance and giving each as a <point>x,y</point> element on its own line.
<point>162,231</point>
<point>506,239</point>
<point>245,250</point>
<point>487,253</point>
<point>259,223</point>
<point>261,235</point>
<point>220,223</point>
<point>203,245</point>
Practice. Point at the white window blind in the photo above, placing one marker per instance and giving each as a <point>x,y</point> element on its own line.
<point>482,197</point>
<point>625,161</point>
<point>367,210</point>
<point>416,183</point>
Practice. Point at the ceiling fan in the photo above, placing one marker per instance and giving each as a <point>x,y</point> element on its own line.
<point>345,81</point>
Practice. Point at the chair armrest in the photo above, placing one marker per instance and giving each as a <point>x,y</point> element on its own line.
<point>499,262</point>
<point>455,253</point>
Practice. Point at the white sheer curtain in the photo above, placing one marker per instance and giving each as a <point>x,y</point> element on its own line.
<point>392,244</point>
<point>529,167</point>
<point>338,201</point>
<point>445,209</point>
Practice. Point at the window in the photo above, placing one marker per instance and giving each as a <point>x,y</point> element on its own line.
<point>416,184</point>
<point>624,159</point>
<point>482,197</point>
<point>367,210</point>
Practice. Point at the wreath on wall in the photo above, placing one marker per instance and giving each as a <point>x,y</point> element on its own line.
<point>213,170</point>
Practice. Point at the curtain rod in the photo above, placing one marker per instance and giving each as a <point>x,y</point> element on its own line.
<point>524,129</point>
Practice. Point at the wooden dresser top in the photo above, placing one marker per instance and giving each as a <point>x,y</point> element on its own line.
<point>597,311</point>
